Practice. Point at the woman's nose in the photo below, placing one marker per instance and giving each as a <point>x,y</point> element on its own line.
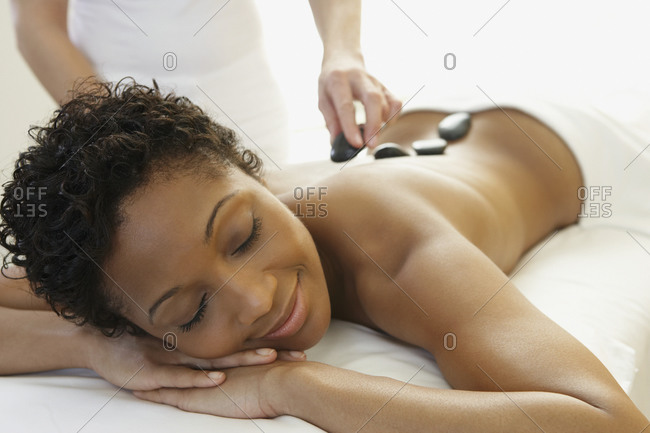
<point>256,297</point>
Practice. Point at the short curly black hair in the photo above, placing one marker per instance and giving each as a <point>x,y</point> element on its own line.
<point>62,207</point>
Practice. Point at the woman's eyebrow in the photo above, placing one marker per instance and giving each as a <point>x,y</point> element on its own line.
<point>162,299</point>
<point>213,214</point>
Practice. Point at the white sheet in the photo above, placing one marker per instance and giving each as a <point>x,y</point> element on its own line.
<point>592,281</point>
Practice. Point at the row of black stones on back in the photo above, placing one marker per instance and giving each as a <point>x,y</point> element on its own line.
<point>453,127</point>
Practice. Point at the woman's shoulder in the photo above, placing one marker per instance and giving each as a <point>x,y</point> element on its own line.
<point>363,214</point>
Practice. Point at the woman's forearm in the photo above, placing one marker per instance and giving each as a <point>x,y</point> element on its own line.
<point>340,400</point>
<point>339,26</point>
<point>34,341</point>
<point>42,38</point>
<point>15,291</point>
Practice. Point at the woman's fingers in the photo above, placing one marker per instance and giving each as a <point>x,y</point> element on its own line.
<point>177,376</point>
<point>158,396</point>
<point>245,394</point>
<point>180,398</point>
<point>211,401</point>
<point>292,355</point>
<point>238,359</point>
<point>251,357</point>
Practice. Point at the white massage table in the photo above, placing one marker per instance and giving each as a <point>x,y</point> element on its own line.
<point>594,282</point>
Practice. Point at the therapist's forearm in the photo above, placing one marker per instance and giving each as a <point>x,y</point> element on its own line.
<point>339,26</point>
<point>43,41</point>
<point>339,400</point>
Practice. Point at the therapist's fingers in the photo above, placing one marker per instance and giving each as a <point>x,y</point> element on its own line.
<point>381,107</point>
<point>336,104</point>
<point>376,106</point>
<point>395,105</point>
<point>329,114</point>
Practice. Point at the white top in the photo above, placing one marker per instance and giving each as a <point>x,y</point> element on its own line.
<point>210,51</point>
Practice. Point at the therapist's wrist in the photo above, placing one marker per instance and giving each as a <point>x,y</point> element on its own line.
<point>342,55</point>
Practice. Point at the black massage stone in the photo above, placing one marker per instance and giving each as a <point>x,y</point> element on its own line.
<point>454,126</point>
<point>390,150</point>
<point>435,146</point>
<point>342,150</point>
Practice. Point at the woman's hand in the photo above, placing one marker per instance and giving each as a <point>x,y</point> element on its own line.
<point>344,79</point>
<point>144,363</point>
<point>249,392</point>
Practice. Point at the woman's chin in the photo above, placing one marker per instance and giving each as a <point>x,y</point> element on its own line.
<point>314,329</point>
<point>316,335</point>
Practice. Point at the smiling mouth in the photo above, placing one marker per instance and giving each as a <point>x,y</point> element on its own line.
<point>291,323</point>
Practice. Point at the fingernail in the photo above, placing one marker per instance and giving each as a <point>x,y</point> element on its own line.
<point>215,375</point>
<point>297,354</point>
<point>264,352</point>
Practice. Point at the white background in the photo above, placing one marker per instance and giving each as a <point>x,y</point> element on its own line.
<point>576,46</point>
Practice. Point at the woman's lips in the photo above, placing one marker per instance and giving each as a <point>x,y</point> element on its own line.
<point>296,318</point>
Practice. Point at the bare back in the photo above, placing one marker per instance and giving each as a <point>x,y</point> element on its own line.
<point>504,186</point>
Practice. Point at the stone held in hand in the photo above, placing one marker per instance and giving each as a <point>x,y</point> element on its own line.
<point>342,150</point>
<point>391,150</point>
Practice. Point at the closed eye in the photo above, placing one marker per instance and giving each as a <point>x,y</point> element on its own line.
<point>198,316</point>
<point>255,234</point>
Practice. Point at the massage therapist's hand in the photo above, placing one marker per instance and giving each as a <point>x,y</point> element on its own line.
<point>249,392</point>
<point>344,79</point>
<point>149,365</point>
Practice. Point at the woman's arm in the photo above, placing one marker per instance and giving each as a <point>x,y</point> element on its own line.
<point>33,337</point>
<point>339,400</point>
<point>529,366</point>
<point>15,291</point>
<point>38,341</point>
<point>512,368</point>
<point>42,37</point>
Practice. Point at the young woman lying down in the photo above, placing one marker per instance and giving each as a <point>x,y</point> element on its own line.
<point>134,211</point>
